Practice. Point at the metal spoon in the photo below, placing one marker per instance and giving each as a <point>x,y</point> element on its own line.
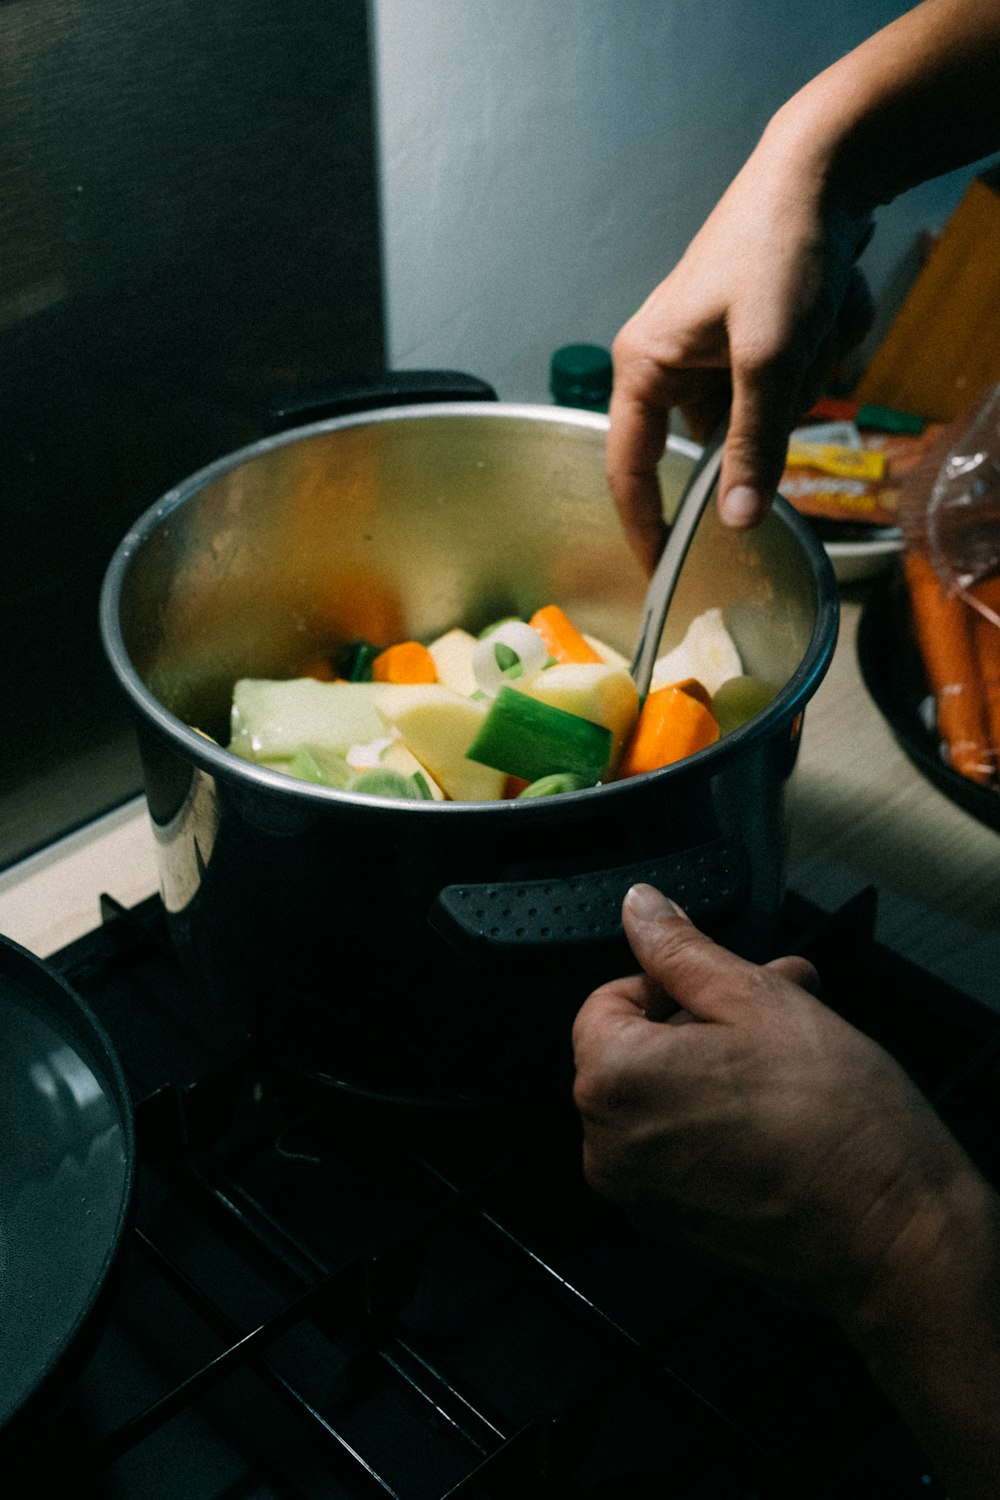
<point>696,495</point>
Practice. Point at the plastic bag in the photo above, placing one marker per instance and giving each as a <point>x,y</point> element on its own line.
<point>949,505</point>
<point>949,513</point>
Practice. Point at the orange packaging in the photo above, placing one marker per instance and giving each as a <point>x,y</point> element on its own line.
<point>844,486</point>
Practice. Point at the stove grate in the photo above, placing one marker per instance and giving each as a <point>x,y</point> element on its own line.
<point>330,1296</point>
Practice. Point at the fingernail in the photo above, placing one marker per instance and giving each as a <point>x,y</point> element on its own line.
<point>741,506</point>
<point>649,905</point>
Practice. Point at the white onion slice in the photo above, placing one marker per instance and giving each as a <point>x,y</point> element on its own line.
<point>527,645</point>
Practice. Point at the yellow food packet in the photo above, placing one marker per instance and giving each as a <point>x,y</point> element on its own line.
<point>845,463</point>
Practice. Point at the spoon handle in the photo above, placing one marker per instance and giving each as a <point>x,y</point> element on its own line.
<point>661,588</point>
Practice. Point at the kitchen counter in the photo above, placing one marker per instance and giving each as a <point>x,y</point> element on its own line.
<point>860,814</point>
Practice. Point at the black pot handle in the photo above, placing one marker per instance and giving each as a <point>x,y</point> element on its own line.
<point>393,388</point>
<point>538,924</point>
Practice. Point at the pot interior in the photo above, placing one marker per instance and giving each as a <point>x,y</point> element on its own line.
<point>403,523</point>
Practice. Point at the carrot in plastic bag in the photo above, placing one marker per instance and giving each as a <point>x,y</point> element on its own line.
<point>986,639</point>
<point>942,626</point>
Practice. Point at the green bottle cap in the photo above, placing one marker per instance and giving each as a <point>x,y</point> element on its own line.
<point>886,419</point>
<point>580,375</point>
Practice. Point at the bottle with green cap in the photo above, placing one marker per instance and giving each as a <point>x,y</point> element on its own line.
<point>580,375</point>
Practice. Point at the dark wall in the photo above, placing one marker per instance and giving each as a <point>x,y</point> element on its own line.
<point>188,233</point>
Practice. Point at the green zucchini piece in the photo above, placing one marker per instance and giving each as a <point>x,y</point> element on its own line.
<point>386,783</point>
<point>525,738</point>
<point>306,767</point>
<point>551,786</point>
<point>321,767</point>
<point>357,666</point>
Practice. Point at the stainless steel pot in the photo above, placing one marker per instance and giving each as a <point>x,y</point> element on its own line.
<point>438,950</point>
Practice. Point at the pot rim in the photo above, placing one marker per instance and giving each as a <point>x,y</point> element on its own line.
<point>222,763</point>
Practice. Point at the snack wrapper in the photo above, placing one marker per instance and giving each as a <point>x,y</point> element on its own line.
<point>849,479</point>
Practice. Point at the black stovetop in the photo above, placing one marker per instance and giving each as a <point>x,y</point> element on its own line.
<point>324,1295</point>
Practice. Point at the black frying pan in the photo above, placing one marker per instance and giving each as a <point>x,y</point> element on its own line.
<point>67,1161</point>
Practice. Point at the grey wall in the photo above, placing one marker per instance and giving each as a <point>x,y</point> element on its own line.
<point>546,162</point>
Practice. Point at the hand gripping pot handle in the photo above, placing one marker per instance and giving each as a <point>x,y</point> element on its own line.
<point>533,923</point>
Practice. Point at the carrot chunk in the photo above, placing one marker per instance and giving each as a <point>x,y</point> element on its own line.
<point>407,661</point>
<point>320,669</point>
<point>561,636</point>
<point>694,689</point>
<point>672,723</point>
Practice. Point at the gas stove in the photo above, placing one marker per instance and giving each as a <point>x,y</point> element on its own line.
<point>324,1295</point>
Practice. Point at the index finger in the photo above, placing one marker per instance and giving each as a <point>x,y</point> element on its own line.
<point>637,439</point>
<point>614,1018</point>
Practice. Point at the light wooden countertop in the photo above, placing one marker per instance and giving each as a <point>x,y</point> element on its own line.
<point>860,814</point>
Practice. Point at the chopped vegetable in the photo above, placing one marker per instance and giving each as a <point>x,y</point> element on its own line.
<point>527,738</point>
<point>739,699</point>
<point>512,649</point>
<point>386,783</point>
<point>358,661</point>
<point>322,767</point>
<point>552,786</point>
<point>503,620</point>
<point>320,669</point>
<point>438,727</point>
<point>607,653</point>
<point>524,710</point>
<point>270,720</point>
<point>561,636</point>
<point>695,689</point>
<point>672,724</point>
<point>398,757</point>
<point>592,690</point>
<point>708,653</point>
<point>407,661</point>
<point>452,653</point>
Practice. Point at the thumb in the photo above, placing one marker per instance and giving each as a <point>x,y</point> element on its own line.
<point>764,411</point>
<point>708,981</point>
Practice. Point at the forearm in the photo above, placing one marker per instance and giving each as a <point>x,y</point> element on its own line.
<point>929,1331</point>
<point>920,97</point>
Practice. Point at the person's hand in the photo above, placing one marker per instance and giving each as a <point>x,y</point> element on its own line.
<point>767,1132</point>
<point>763,303</point>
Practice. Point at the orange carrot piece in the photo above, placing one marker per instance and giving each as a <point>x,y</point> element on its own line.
<point>672,723</point>
<point>407,661</point>
<point>986,640</point>
<point>321,670</point>
<point>561,636</point>
<point>514,786</point>
<point>694,689</point>
<point>942,627</point>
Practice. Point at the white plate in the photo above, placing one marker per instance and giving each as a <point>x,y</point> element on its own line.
<point>854,561</point>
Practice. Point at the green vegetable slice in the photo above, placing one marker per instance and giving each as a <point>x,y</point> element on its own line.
<point>551,786</point>
<point>359,664</point>
<point>388,783</point>
<point>322,767</point>
<point>525,738</point>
